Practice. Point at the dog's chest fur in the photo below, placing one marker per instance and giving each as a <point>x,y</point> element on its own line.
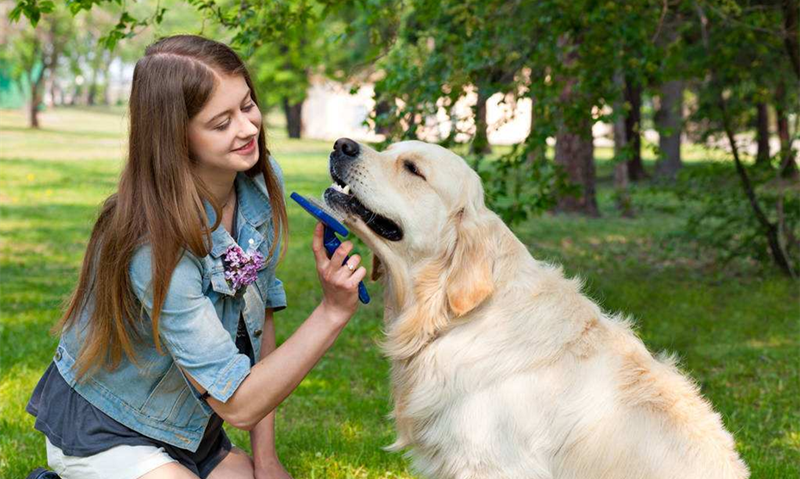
<point>480,400</point>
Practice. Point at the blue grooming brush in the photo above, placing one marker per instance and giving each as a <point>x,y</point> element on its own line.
<point>329,239</point>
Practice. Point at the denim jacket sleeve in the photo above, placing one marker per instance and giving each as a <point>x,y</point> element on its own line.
<point>276,296</point>
<point>189,326</point>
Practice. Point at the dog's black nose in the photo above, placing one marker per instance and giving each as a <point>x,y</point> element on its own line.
<point>346,146</point>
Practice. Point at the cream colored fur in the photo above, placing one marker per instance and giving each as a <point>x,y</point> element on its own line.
<point>501,367</point>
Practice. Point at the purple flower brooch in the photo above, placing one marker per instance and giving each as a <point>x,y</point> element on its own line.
<point>241,268</point>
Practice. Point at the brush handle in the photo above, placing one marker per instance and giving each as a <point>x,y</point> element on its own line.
<point>331,242</point>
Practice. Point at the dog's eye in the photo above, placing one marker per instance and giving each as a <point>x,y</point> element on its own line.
<point>412,168</point>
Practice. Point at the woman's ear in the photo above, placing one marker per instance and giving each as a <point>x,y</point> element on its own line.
<point>377,268</point>
<point>469,280</point>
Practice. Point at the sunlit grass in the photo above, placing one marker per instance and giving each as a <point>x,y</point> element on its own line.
<point>735,329</point>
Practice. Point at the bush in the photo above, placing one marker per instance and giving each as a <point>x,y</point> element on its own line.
<point>721,221</point>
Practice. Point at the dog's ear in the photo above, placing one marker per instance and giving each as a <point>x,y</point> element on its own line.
<point>470,274</point>
<point>424,317</point>
<point>377,268</point>
<point>458,281</point>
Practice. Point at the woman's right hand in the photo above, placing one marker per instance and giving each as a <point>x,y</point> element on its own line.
<point>339,282</point>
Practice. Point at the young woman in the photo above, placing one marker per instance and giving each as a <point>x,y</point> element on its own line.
<point>169,332</point>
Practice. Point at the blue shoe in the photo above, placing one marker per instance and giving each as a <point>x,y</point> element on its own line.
<point>42,473</point>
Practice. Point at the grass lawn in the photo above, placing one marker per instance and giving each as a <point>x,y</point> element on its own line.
<point>736,327</point>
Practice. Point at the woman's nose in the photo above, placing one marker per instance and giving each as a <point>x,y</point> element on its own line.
<point>249,127</point>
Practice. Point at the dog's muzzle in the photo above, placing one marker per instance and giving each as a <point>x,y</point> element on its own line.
<point>340,196</point>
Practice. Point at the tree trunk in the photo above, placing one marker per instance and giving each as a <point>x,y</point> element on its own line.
<point>621,193</point>
<point>91,93</point>
<point>56,95</point>
<point>294,118</point>
<point>382,108</point>
<point>36,99</point>
<point>533,155</point>
<point>575,146</point>
<point>623,197</point>
<point>480,142</point>
<point>575,154</point>
<point>669,121</point>
<point>633,121</point>
<point>106,86</point>
<point>106,74</point>
<point>788,165</point>
<point>92,90</point>
<point>621,174</point>
<point>762,134</point>
<point>50,63</point>
<point>77,92</point>
<point>33,112</point>
<point>537,147</point>
<point>49,88</point>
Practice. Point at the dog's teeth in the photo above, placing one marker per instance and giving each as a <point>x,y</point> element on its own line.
<point>346,189</point>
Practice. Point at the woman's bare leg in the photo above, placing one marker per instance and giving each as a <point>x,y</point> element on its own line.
<point>173,470</point>
<point>236,465</point>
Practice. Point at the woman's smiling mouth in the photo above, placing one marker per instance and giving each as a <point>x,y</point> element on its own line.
<point>247,148</point>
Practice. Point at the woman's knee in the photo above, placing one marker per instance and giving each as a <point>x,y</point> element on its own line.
<point>236,465</point>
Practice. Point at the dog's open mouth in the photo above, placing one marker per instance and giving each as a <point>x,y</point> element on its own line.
<point>339,196</point>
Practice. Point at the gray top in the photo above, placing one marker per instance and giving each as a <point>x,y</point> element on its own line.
<point>78,428</point>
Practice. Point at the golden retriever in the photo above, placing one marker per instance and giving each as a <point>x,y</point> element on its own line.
<point>501,367</point>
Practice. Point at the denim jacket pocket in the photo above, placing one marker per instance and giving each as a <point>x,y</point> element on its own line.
<point>172,400</point>
<point>167,397</point>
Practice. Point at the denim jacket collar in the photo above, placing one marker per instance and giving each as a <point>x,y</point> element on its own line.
<point>254,207</point>
<point>253,199</point>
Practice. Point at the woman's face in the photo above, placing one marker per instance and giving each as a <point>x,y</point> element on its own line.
<point>223,136</point>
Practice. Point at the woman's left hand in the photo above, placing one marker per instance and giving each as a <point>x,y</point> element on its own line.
<point>271,470</point>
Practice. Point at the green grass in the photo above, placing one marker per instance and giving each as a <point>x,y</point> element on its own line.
<point>735,328</point>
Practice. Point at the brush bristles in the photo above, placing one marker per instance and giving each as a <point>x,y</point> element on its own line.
<point>320,203</point>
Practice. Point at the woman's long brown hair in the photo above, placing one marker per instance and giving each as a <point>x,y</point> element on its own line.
<point>159,199</point>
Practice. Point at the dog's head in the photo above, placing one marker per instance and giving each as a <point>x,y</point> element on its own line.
<point>420,209</point>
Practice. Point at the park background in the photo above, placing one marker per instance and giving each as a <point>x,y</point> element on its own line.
<point>648,146</point>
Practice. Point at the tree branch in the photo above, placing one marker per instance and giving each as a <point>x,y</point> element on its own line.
<point>771,230</point>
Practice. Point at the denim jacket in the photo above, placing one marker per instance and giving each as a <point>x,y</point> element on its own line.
<point>197,328</point>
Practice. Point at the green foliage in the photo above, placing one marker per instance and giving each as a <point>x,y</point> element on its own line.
<point>538,50</point>
<point>124,28</point>
<point>518,187</point>
<point>736,51</point>
<point>720,221</point>
<point>32,9</point>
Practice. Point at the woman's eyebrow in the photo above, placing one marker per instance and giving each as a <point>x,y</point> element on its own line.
<point>226,111</point>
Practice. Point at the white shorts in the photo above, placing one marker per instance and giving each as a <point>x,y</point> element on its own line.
<point>120,462</point>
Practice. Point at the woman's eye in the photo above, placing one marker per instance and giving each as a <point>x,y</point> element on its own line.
<point>412,168</point>
<point>245,109</point>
